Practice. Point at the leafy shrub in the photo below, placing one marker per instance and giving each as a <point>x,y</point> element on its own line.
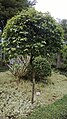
<point>19,66</point>
<point>42,67</point>
<point>64,56</point>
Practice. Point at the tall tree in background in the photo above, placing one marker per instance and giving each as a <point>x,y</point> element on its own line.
<point>8,8</point>
<point>64,25</point>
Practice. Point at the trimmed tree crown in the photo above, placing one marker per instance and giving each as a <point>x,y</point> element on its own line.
<point>32,33</point>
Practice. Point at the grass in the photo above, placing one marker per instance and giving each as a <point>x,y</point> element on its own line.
<point>57,110</point>
<point>15,100</point>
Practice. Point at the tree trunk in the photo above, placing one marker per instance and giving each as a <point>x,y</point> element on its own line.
<point>33,86</point>
<point>58,60</point>
<point>33,78</point>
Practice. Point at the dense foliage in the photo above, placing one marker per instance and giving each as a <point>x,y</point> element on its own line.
<point>9,8</point>
<point>32,33</point>
<point>64,25</point>
<point>24,34</point>
<point>42,68</point>
<point>64,58</point>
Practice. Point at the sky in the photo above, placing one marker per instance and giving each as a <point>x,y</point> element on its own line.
<point>57,8</point>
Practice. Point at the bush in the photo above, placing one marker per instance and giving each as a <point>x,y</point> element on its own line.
<point>19,66</point>
<point>42,68</point>
<point>64,56</point>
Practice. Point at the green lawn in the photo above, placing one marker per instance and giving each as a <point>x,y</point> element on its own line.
<point>57,110</point>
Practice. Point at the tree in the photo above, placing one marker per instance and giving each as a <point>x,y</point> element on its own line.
<point>9,8</point>
<point>64,25</point>
<point>32,33</point>
<point>54,35</point>
<point>64,58</point>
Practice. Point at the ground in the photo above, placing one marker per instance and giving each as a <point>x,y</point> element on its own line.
<point>15,99</point>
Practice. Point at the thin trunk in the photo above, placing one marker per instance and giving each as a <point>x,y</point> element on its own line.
<point>33,78</point>
<point>33,86</point>
<point>58,61</point>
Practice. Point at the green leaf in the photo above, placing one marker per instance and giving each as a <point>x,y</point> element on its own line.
<point>14,41</point>
<point>13,49</point>
<point>44,42</point>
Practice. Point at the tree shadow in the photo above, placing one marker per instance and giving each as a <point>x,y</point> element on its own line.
<point>63,72</point>
<point>3,68</point>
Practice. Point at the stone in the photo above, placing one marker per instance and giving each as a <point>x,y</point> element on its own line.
<point>38,93</point>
